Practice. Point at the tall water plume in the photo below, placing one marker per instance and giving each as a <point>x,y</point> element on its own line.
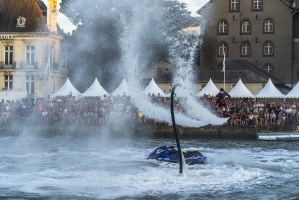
<point>182,54</point>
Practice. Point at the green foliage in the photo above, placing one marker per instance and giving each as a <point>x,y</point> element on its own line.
<point>95,48</point>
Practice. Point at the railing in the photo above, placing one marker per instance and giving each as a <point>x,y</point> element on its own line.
<point>4,66</point>
<point>23,65</point>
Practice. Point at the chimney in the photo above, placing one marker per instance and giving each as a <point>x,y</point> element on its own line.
<point>52,13</point>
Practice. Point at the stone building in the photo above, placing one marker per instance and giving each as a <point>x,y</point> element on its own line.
<point>264,33</point>
<point>32,57</point>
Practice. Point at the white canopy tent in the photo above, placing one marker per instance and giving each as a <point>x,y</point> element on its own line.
<point>210,89</point>
<point>122,89</point>
<point>95,90</point>
<point>240,91</point>
<point>269,91</point>
<point>153,88</point>
<point>66,89</point>
<point>294,93</point>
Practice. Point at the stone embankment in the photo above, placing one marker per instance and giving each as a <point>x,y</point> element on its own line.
<point>133,129</point>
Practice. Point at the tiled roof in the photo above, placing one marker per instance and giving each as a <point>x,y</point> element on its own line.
<point>235,70</point>
<point>11,10</point>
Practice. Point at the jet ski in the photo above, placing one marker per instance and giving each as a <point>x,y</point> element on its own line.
<point>171,154</point>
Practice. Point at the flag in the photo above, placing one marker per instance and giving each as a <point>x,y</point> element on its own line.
<point>223,68</point>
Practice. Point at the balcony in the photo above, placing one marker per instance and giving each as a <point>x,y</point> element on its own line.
<point>4,66</point>
<point>23,65</point>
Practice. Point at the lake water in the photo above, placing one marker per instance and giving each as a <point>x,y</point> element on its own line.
<point>102,166</point>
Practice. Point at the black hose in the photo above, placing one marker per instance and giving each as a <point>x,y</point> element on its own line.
<point>174,128</point>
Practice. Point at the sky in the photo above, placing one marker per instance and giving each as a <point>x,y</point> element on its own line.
<point>68,27</point>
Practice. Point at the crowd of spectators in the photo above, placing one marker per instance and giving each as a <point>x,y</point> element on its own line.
<point>109,109</point>
<point>249,113</point>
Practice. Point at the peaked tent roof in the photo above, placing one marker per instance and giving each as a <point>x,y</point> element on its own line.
<point>66,89</point>
<point>270,91</point>
<point>153,88</point>
<point>122,89</point>
<point>240,91</point>
<point>294,93</point>
<point>210,88</point>
<point>95,90</point>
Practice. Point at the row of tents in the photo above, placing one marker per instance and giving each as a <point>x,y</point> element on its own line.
<point>241,91</point>
<point>238,91</point>
<point>96,90</point>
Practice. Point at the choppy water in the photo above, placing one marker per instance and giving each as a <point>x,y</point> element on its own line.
<point>99,166</point>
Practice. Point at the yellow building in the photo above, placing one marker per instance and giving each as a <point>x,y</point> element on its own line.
<point>32,59</point>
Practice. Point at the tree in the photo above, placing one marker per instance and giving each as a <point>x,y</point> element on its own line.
<point>94,47</point>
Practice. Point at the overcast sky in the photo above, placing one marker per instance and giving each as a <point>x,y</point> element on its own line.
<point>67,26</point>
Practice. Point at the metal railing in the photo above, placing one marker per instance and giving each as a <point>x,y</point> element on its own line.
<point>4,66</point>
<point>24,65</point>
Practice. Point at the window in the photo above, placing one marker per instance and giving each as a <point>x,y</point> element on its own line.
<point>257,5</point>
<point>268,26</point>
<point>245,49</point>
<point>8,82</point>
<point>269,68</point>
<point>29,55</point>
<point>268,48</point>
<point>8,55</point>
<point>245,27</point>
<point>234,5</point>
<point>30,82</point>
<point>223,47</point>
<point>223,27</point>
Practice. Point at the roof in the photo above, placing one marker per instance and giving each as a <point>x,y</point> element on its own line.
<point>240,91</point>
<point>29,10</point>
<point>210,89</point>
<point>95,90</point>
<point>122,89</point>
<point>66,89</point>
<point>235,70</point>
<point>269,91</point>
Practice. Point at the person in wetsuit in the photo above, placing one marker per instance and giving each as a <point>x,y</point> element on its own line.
<point>220,98</point>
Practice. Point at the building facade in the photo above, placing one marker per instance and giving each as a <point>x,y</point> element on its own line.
<point>261,32</point>
<point>32,58</point>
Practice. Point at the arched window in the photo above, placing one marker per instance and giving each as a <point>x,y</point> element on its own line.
<point>223,27</point>
<point>234,5</point>
<point>268,26</point>
<point>257,5</point>
<point>268,48</point>
<point>269,68</point>
<point>245,27</point>
<point>222,47</point>
<point>245,49</point>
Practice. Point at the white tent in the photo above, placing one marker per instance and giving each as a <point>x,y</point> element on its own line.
<point>66,89</point>
<point>269,91</point>
<point>95,90</point>
<point>210,89</point>
<point>294,93</point>
<point>122,89</point>
<point>153,88</point>
<point>240,91</point>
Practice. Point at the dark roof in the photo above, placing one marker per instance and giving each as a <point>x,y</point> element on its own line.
<point>10,10</point>
<point>235,70</point>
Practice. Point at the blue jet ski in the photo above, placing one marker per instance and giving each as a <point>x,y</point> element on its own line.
<point>171,154</point>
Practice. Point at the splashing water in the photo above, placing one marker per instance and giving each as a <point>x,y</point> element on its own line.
<point>198,114</point>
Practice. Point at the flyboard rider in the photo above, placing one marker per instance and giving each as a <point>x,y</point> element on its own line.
<point>221,98</point>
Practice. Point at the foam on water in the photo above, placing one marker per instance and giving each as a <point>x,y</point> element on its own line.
<point>78,169</point>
